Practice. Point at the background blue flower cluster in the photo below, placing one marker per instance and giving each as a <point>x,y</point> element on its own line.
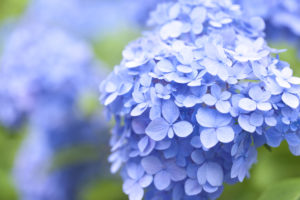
<point>44,85</point>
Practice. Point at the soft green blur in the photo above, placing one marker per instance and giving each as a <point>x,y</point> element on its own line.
<point>11,8</point>
<point>273,165</point>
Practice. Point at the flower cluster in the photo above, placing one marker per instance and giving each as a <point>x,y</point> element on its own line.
<point>194,98</point>
<point>45,76</point>
<point>42,71</point>
<point>282,17</point>
<point>83,18</point>
<point>92,18</point>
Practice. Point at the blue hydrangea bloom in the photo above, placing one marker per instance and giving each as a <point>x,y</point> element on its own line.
<point>42,71</point>
<point>84,18</point>
<point>194,98</point>
<point>44,86</point>
<point>282,18</point>
<point>92,18</point>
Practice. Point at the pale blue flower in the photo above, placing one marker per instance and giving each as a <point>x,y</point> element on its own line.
<point>198,94</point>
<point>216,127</point>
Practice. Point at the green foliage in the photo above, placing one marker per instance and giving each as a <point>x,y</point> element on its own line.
<point>75,155</point>
<point>9,143</point>
<point>288,189</point>
<point>108,189</point>
<point>88,103</point>
<point>290,56</point>
<point>109,48</point>
<point>11,8</point>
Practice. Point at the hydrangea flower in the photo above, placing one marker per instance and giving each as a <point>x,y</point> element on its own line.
<point>282,18</point>
<point>194,98</point>
<point>84,18</point>
<point>45,86</point>
<point>92,18</point>
<point>42,71</point>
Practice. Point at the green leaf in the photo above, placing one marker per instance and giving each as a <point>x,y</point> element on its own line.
<point>288,189</point>
<point>12,8</point>
<point>75,155</point>
<point>109,189</point>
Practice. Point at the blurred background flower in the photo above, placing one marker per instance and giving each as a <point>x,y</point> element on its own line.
<point>282,19</point>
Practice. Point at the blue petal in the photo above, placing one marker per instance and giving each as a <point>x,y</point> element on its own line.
<point>176,173</point>
<point>127,185</point>
<point>247,104</point>
<point>145,80</point>
<point>171,133</point>
<point>139,109</point>
<point>223,106</point>
<point>195,142</point>
<point>210,118</point>
<point>162,180</point>
<point>172,29</point>
<point>142,144</point>
<point>110,98</point>
<point>165,66</point>
<point>216,91</point>
<point>136,192</point>
<point>206,117</point>
<point>256,93</point>
<point>225,95</point>
<point>271,121</point>
<point>145,181</point>
<point>295,150</point>
<point>223,73</point>
<point>199,14</point>
<point>225,134</point>
<point>174,11</point>
<point>264,106</point>
<point>209,100</point>
<point>264,96</point>
<point>151,164</point>
<point>292,139</point>
<point>110,87</point>
<point>214,174</point>
<point>211,66</point>
<point>163,145</point>
<point>134,171</point>
<point>198,157</point>
<point>256,119</point>
<point>170,111</point>
<point>184,69</point>
<point>192,187</point>
<point>183,128</point>
<point>155,112</point>
<point>244,122</point>
<point>290,100</point>
<point>139,125</point>
<point>190,101</point>
<point>273,138</point>
<point>157,129</point>
<point>209,189</point>
<point>208,138</point>
<point>201,174</point>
